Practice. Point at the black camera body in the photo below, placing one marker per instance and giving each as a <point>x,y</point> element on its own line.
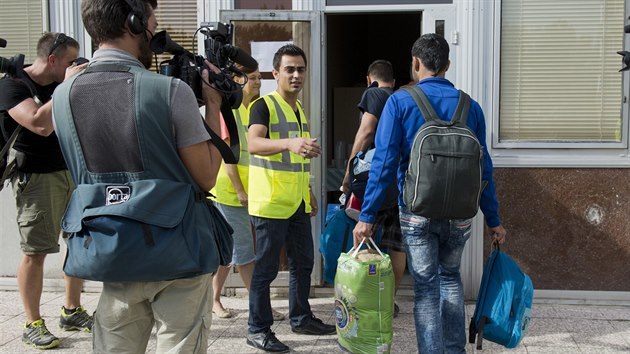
<point>187,66</point>
<point>12,67</point>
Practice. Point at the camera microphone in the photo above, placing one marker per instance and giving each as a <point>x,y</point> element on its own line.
<point>241,57</point>
<point>3,43</point>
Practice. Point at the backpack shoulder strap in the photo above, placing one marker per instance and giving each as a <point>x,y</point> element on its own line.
<point>4,155</point>
<point>423,104</point>
<point>10,141</point>
<point>460,116</point>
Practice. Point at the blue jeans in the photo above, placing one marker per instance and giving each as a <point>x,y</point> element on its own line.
<point>271,236</point>
<point>434,254</point>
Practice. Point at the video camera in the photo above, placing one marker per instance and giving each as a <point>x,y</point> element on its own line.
<point>187,66</point>
<point>12,67</point>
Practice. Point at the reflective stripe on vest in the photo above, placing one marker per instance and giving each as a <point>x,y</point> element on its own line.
<point>282,127</point>
<point>241,125</point>
<point>224,191</point>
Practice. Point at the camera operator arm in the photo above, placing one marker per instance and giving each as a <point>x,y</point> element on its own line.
<point>198,162</point>
<point>32,114</point>
<point>213,100</point>
<point>203,160</point>
<point>33,117</point>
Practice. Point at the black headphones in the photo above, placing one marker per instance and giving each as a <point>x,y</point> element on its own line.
<point>136,21</point>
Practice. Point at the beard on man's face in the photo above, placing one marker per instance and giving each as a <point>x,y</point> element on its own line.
<point>146,55</point>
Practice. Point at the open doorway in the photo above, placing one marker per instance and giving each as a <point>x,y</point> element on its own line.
<point>353,42</point>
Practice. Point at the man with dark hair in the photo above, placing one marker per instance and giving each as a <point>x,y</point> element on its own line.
<point>144,130</point>
<point>380,81</point>
<point>281,200</point>
<point>434,247</point>
<point>41,182</point>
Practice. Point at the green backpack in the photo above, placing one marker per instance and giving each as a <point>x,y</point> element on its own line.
<point>444,178</point>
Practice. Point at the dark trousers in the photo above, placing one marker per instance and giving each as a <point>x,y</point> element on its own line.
<point>271,236</point>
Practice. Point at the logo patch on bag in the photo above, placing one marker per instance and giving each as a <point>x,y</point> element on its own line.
<point>117,194</point>
<point>341,313</point>
<point>372,269</point>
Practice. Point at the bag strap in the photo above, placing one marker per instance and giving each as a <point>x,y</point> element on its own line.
<point>374,246</point>
<point>460,116</point>
<point>461,111</point>
<point>10,142</point>
<point>423,103</point>
<point>486,274</point>
<point>4,154</point>
<point>479,328</point>
<point>232,152</point>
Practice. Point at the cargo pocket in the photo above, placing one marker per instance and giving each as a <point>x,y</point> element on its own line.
<point>36,234</point>
<point>202,335</point>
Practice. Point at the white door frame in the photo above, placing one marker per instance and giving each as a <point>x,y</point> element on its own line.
<point>315,116</point>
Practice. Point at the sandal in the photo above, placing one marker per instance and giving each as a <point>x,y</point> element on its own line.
<point>277,315</point>
<point>222,313</point>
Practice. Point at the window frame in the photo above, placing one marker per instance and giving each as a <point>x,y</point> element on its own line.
<point>27,44</point>
<point>555,154</point>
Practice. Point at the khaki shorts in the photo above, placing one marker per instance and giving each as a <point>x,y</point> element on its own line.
<point>181,310</point>
<point>41,200</point>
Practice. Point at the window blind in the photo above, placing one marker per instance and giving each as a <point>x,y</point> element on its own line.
<point>559,70</point>
<point>21,25</point>
<point>179,19</point>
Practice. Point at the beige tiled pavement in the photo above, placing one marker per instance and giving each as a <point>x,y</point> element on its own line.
<point>554,329</point>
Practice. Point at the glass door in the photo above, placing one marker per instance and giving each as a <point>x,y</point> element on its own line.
<point>260,34</point>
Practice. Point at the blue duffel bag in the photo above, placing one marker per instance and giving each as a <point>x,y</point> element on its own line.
<point>335,238</point>
<point>504,303</point>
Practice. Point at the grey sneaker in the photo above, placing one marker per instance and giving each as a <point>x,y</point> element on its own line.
<point>37,335</point>
<point>79,320</point>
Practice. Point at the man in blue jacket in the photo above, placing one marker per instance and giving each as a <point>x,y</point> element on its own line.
<point>434,247</point>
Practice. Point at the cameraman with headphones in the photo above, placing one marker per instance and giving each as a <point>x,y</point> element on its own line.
<point>41,182</point>
<point>140,126</point>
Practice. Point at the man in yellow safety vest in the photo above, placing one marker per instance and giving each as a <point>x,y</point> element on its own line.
<point>281,202</point>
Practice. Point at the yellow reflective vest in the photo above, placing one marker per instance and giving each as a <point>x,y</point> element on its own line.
<point>223,190</point>
<point>278,183</point>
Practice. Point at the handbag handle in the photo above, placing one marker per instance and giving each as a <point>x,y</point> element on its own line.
<point>356,250</point>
